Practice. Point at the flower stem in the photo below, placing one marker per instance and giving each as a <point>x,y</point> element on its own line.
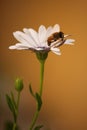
<point>34,120</point>
<point>41,77</point>
<point>40,94</point>
<point>18,101</point>
<point>16,110</point>
<point>14,126</point>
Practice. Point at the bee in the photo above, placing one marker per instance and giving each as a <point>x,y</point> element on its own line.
<point>54,37</point>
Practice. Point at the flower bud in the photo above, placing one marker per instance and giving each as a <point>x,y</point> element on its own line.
<point>19,84</point>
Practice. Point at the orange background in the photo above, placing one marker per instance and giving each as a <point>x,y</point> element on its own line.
<point>65,82</point>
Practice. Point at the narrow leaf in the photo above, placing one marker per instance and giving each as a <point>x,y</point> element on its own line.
<point>11,106</point>
<point>9,102</point>
<point>13,100</point>
<point>31,91</point>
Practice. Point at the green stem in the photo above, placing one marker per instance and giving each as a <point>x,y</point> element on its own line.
<point>14,126</point>
<point>34,119</point>
<point>18,99</point>
<point>40,93</point>
<point>16,110</point>
<point>41,77</point>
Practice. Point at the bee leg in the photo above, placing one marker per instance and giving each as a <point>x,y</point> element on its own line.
<point>62,42</point>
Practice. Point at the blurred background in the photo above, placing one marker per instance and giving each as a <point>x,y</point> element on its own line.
<point>65,81</point>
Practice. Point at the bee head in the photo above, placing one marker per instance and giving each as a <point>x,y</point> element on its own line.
<point>61,34</point>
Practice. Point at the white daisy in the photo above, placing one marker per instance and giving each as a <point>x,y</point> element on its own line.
<point>38,41</point>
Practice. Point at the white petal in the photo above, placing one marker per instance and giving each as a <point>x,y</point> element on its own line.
<point>45,45</point>
<point>69,41</point>
<point>38,49</point>
<point>56,28</point>
<point>33,34</point>
<point>26,30</point>
<point>42,34</point>
<point>22,37</point>
<point>49,31</point>
<point>12,47</point>
<point>18,37</point>
<point>55,50</point>
<point>19,46</point>
<point>22,45</point>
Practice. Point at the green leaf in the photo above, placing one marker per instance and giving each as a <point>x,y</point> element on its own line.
<point>39,101</point>
<point>11,105</point>
<point>9,102</point>
<point>38,127</point>
<point>8,125</point>
<point>13,100</point>
<point>31,91</point>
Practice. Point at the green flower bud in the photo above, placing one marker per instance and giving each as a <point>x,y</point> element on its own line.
<point>19,84</point>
